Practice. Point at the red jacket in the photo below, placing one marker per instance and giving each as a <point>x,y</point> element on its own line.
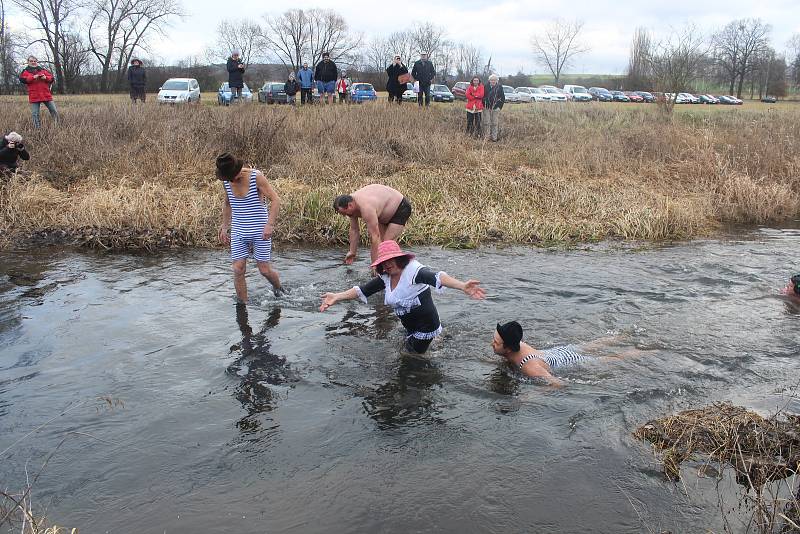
<point>475,97</point>
<point>38,88</point>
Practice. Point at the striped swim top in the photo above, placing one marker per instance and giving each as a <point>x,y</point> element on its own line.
<point>557,357</point>
<point>249,214</point>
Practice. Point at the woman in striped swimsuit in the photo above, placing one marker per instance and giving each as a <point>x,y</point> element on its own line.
<point>247,218</point>
<point>535,363</point>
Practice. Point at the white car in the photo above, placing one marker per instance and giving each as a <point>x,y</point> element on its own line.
<point>179,91</point>
<point>537,95</point>
<point>686,98</point>
<point>511,95</point>
<point>554,93</point>
<point>409,95</point>
<point>524,94</point>
<point>577,93</point>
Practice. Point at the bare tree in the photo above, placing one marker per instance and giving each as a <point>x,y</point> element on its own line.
<point>116,28</point>
<point>737,46</point>
<point>445,60</point>
<point>675,62</point>
<point>793,47</point>
<point>427,38</point>
<point>75,58</point>
<point>287,35</point>
<point>469,61</point>
<point>558,45</point>
<point>9,50</point>
<point>377,53</point>
<point>52,20</point>
<point>244,36</point>
<point>638,75</point>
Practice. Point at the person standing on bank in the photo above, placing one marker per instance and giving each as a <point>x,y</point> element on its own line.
<point>326,74</point>
<point>385,212</point>
<point>424,72</point>
<point>306,77</point>
<point>398,78</point>
<point>407,284</point>
<point>291,87</point>
<point>493,101</point>
<point>474,95</point>
<point>235,68</point>
<point>12,149</point>
<point>38,80</point>
<point>247,218</point>
<point>342,85</point>
<point>137,78</point>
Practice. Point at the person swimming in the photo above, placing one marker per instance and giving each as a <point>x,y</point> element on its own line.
<point>792,288</point>
<point>507,342</point>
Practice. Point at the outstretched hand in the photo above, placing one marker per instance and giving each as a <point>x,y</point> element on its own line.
<point>328,300</point>
<point>474,290</point>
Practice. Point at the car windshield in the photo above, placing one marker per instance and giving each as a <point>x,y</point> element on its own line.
<point>644,93</point>
<point>175,85</point>
<point>362,87</point>
<point>536,90</point>
<point>508,89</point>
<point>552,90</point>
<point>225,87</point>
<point>409,86</point>
<point>277,87</point>
<point>441,88</point>
<point>579,90</point>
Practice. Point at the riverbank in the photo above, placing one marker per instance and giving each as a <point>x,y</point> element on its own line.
<point>115,176</point>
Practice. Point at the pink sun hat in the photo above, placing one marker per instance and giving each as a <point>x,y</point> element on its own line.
<point>388,250</point>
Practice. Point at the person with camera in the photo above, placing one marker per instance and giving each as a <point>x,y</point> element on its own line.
<point>137,77</point>
<point>235,67</point>
<point>398,78</point>
<point>38,80</point>
<point>12,150</point>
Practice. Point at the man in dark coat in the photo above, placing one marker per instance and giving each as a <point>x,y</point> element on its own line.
<point>290,88</point>
<point>326,74</point>
<point>493,100</point>
<point>424,72</point>
<point>394,86</point>
<point>137,78</point>
<point>235,68</point>
<point>12,150</point>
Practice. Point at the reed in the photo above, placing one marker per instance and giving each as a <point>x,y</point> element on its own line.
<point>117,176</point>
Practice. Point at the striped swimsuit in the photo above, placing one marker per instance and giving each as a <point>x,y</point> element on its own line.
<point>557,357</point>
<point>249,215</point>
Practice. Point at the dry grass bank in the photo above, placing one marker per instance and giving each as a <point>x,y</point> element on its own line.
<point>561,173</point>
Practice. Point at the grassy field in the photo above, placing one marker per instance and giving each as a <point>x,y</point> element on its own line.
<point>116,176</point>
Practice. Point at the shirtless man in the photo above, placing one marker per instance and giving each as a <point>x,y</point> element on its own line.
<point>507,342</point>
<point>384,210</point>
<point>792,289</point>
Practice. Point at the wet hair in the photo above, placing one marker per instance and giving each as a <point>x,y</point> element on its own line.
<point>341,202</point>
<point>401,261</point>
<point>511,334</point>
<point>796,281</point>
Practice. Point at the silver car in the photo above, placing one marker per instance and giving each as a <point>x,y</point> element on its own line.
<point>511,95</point>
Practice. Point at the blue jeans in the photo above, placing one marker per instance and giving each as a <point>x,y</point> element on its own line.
<point>51,107</point>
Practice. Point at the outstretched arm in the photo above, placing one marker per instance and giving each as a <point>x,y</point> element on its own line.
<point>329,299</point>
<point>355,237</point>
<point>533,370</point>
<point>471,287</point>
<point>370,216</point>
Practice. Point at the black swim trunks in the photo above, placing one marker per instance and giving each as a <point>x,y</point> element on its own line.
<point>402,214</point>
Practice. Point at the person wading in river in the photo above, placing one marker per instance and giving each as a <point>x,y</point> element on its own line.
<point>507,342</point>
<point>384,210</point>
<point>406,284</point>
<point>792,289</point>
<point>247,218</point>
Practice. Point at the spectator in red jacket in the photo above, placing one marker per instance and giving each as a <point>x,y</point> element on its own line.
<point>474,106</point>
<point>38,79</point>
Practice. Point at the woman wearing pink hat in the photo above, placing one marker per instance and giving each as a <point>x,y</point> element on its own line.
<point>407,289</point>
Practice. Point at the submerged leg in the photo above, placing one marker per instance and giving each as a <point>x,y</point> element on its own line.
<point>417,346</point>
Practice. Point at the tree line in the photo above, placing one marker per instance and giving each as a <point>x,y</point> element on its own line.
<point>88,44</point>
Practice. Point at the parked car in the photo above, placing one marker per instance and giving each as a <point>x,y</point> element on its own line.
<point>225,96</point>
<point>647,97</point>
<point>409,95</point>
<point>440,93</point>
<point>511,95</point>
<point>619,96</point>
<point>554,93</point>
<point>708,99</point>
<point>601,94</point>
<point>362,92</point>
<point>686,98</point>
<point>634,96</point>
<point>577,93</point>
<point>459,90</point>
<point>730,100</point>
<point>769,99</point>
<point>272,93</point>
<point>179,91</point>
<point>534,94</point>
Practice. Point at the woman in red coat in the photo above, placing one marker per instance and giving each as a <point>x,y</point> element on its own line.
<point>474,106</point>
<point>38,79</point>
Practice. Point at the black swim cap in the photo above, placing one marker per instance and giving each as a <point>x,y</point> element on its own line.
<point>796,282</point>
<point>511,334</point>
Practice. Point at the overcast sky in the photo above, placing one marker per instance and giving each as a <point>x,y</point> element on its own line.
<point>502,28</point>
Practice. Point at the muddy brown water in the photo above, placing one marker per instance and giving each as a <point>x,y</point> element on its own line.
<point>279,418</point>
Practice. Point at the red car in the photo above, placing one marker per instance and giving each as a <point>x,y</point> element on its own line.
<point>459,90</point>
<point>635,97</point>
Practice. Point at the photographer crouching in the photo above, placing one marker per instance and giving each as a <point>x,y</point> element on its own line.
<point>12,149</point>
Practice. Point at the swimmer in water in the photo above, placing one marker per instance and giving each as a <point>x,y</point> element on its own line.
<point>535,363</point>
<point>792,289</point>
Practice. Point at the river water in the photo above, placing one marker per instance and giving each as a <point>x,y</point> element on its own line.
<point>279,418</point>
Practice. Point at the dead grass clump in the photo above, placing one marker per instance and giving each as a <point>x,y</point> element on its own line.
<point>760,450</point>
